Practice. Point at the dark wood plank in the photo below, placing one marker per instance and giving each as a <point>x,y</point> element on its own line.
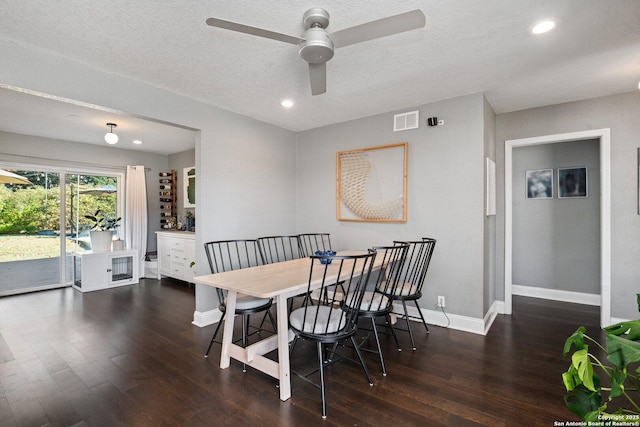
<point>130,356</point>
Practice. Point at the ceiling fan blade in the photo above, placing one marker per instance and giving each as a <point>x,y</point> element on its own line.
<point>241,28</point>
<point>380,28</point>
<point>318,76</point>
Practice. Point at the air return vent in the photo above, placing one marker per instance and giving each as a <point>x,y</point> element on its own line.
<point>406,121</point>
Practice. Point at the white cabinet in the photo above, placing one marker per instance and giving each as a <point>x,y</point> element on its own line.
<point>102,270</point>
<point>176,253</point>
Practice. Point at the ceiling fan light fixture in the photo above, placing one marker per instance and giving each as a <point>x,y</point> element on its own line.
<point>110,137</point>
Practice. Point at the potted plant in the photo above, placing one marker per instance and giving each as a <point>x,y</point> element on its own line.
<point>589,395</point>
<point>101,233</point>
<point>190,220</point>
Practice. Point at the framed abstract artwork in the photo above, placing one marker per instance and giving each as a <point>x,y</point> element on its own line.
<point>572,183</point>
<point>539,184</point>
<point>371,184</point>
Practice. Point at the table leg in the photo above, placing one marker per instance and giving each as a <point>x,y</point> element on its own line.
<point>283,347</point>
<point>227,336</point>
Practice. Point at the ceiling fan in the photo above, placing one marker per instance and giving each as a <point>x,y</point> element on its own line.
<point>316,46</point>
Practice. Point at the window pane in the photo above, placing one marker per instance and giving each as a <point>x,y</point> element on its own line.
<point>86,195</point>
<point>30,233</point>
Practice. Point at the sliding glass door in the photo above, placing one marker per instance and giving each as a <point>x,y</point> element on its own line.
<point>30,233</point>
<point>38,233</point>
<point>86,195</point>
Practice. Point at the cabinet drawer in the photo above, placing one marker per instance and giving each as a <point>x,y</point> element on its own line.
<point>177,269</point>
<point>177,244</point>
<point>176,251</point>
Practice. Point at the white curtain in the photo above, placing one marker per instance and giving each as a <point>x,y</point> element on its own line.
<point>136,213</point>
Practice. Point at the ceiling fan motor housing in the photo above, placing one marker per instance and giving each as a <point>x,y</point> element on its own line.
<point>316,17</point>
<point>317,48</point>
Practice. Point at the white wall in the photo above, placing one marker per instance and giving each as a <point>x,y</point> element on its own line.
<point>619,113</point>
<point>445,194</point>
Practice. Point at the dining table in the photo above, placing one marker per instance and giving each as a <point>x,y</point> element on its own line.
<point>280,281</point>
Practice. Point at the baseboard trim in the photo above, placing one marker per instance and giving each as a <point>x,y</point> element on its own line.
<point>615,320</point>
<point>491,315</point>
<point>438,318</point>
<point>432,317</point>
<point>206,318</point>
<point>556,295</point>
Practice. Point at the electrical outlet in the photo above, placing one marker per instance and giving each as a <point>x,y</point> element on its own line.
<point>441,302</point>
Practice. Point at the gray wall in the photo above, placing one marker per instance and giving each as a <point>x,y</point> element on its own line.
<point>445,194</point>
<point>489,293</point>
<point>556,242</point>
<point>248,166</point>
<point>37,150</point>
<point>260,181</point>
<point>619,113</point>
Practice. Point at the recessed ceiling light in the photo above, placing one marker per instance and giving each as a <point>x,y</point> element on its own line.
<point>287,103</point>
<point>542,27</point>
<point>137,141</point>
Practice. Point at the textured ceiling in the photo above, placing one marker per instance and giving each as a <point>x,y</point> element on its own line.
<point>466,47</point>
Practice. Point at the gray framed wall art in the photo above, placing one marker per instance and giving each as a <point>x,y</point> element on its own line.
<point>539,184</point>
<point>572,183</point>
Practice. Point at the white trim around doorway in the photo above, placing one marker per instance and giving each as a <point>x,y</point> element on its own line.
<point>605,211</point>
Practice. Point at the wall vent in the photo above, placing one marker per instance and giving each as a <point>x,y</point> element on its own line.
<point>406,121</point>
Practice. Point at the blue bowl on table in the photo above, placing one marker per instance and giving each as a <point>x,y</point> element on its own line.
<point>325,253</point>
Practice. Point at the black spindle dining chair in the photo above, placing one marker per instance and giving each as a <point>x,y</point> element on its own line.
<point>227,255</point>
<point>280,248</point>
<point>312,242</point>
<point>377,302</point>
<point>330,320</point>
<point>412,279</point>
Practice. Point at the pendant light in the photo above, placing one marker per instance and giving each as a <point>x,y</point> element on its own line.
<point>110,137</point>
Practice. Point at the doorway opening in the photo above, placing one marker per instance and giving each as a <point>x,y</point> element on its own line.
<point>603,136</point>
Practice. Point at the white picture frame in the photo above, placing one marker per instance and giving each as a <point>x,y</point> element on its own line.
<point>491,187</point>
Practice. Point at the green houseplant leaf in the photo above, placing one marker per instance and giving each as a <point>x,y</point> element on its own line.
<point>584,402</point>
<point>585,396</point>
<point>584,368</point>
<point>621,351</point>
<point>102,222</point>
<point>631,328</point>
<point>576,339</point>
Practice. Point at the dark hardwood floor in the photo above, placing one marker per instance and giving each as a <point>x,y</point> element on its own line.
<point>130,356</point>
